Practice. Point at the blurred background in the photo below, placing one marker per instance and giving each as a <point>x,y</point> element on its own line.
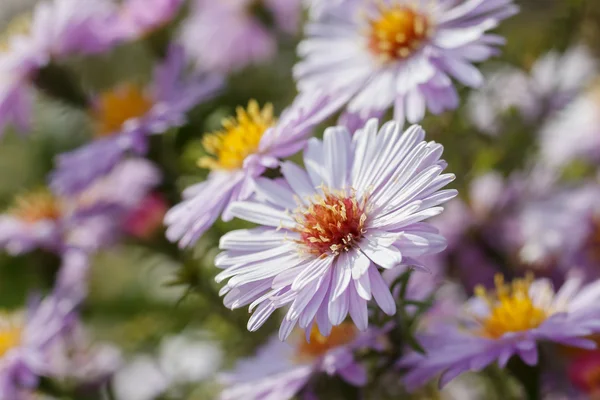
<point>157,309</point>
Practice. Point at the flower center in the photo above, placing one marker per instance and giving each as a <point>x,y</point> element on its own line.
<point>319,344</point>
<point>239,138</point>
<point>10,332</point>
<point>332,223</point>
<point>511,308</point>
<point>115,107</point>
<point>36,206</point>
<point>398,32</point>
<point>19,26</point>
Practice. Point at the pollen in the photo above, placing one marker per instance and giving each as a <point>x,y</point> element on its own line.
<point>239,138</point>
<point>318,344</point>
<point>511,308</point>
<point>113,108</point>
<point>10,332</point>
<point>399,31</point>
<point>332,223</point>
<point>19,26</point>
<point>36,206</point>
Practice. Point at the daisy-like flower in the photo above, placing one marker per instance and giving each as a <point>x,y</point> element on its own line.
<point>229,35</point>
<point>125,117</point>
<point>280,370</point>
<point>508,322</point>
<point>246,147</point>
<point>56,28</point>
<point>326,231</point>
<point>25,339</point>
<point>401,53</point>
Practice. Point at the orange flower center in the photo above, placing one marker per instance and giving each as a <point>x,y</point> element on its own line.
<point>332,223</point>
<point>10,332</point>
<point>36,206</point>
<point>117,106</point>
<point>398,32</point>
<point>511,308</point>
<point>319,344</point>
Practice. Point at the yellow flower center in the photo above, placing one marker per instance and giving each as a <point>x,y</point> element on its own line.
<point>19,26</point>
<point>10,332</point>
<point>332,223</point>
<point>398,32</point>
<point>37,206</point>
<point>319,344</point>
<point>239,138</point>
<point>115,107</point>
<point>511,308</point>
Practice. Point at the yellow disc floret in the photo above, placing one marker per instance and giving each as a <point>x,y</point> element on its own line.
<point>318,344</point>
<point>10,332</point>
<point>36,206</point>
<point>398,32</point>
<point>511,308</point>
<point>115,107</point>
<point>239,138</point>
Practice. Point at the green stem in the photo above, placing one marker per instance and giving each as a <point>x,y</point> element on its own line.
<point>528,376</point>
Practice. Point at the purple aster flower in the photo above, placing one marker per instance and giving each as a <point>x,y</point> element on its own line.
<point>136,18</point>
<point>246,147</point>
<point>280,370</point>
<point>57,28</point>
<point>25,341</point>
<point>552,83</point>
<point>326,231</point>
<point>226,36</point>
<point>509,322</point>
<point>401,53</point>
<point>127,115</point>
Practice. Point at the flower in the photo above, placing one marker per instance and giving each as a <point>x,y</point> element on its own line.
<point>326,231</point>
<point>245,147</point>
<point>397,52</point>
<point>280,370</point>
<point>321,8</point>
<point>580,119</point>
<point>552,83</point>
<point>56,28</point>
<point>25,340</point>
<point>510,321</point>
<point>146,219</point>
<point>140,379</point>
<point>125,117</point>
<point>227,36</point>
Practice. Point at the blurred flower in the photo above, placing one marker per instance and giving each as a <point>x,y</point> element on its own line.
<point>25,341</point>
<point>581,120</point>
<point>553,82</point>
<point>359,206</point>
<point>280,370</point>
<point>229,35</point>
<point>394,52</point>
<point>510,321</point>
<point>185,359</point>
<point>584,373</point>
<point>147,218</point>
<point>320,8</point>
<point>246,147</point>
<point>137,18</point>
<point>125,118</point>
<point>56,28</point>
<point>140,379</point>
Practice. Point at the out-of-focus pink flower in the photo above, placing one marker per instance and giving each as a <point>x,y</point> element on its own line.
<point>143,221</point>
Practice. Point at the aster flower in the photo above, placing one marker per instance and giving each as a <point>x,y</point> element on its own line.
<point>242,151</point>
<point>56,28</point>
<point>228,35</point>
<point>126,116</point>
<point>280,370</point>
<point>401,53</point>
<point>326,231</point>
<point>321,8</point>
<point>509,322</point>
<point>24,343</point>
